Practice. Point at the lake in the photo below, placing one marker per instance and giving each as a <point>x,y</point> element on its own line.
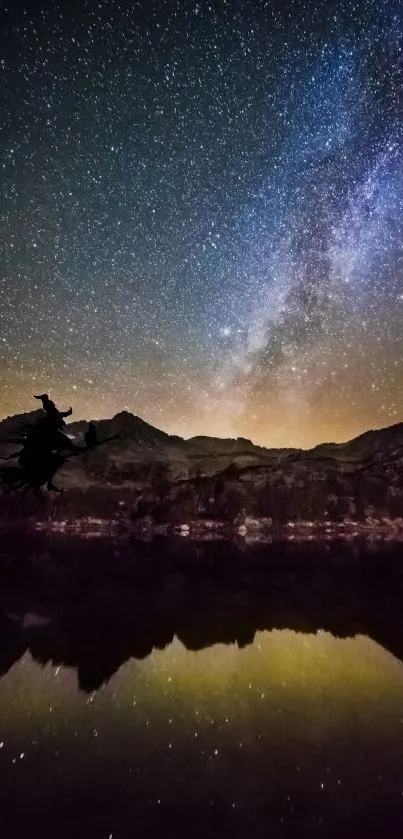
<point>208,690</point>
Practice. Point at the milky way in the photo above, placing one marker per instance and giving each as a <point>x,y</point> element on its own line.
<point>201,214</point>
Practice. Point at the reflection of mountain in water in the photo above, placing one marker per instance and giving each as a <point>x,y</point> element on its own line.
<point>94,609</point>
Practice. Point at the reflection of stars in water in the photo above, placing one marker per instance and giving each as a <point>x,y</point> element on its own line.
<point>205,225</point>
<point>192,719</point>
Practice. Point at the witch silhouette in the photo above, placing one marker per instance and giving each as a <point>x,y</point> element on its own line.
<point>45,448</point>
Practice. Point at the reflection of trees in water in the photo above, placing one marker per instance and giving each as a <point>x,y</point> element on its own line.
<point>107,605</point>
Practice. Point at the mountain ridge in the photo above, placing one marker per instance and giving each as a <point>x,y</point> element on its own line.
<point>165,477</point>
<point>125,423</point>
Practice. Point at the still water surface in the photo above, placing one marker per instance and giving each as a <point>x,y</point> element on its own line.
<point>292,734</point>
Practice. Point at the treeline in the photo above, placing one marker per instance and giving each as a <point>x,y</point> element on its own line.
<point>297,496</point>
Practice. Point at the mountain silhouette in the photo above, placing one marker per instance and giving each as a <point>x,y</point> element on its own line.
<point>134,430</point>
<point>166,477</point>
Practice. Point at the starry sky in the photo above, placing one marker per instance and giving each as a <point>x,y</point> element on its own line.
<point>201,214</point>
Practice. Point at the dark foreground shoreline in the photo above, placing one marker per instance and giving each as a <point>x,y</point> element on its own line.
<point>246,529</point>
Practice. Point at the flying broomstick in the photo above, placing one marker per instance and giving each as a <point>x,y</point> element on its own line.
<point>45,448</point>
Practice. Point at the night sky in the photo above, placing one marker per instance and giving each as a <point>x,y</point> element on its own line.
<point>201,214</point>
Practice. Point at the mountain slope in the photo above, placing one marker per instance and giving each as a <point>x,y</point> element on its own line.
<point>367,445</point>
<point>137,438</point>
<point>166,477</point>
